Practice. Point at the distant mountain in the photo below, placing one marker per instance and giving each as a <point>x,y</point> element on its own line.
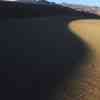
<point>83,8</point>
<point>44,2</point>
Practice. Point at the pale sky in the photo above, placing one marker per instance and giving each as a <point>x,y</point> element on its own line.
<point>83,2</point>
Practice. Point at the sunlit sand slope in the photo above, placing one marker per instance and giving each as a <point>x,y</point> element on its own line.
<point>89,32</point>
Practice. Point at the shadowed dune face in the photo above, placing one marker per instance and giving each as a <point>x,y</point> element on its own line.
<point>38,54</point>
<point>89,31</point>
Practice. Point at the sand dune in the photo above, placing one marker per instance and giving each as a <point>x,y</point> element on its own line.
<point>89,32</point>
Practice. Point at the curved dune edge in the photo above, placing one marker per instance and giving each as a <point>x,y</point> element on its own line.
<point>89,32</point>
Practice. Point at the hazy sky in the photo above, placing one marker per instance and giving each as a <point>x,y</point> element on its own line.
<point>84,2</point>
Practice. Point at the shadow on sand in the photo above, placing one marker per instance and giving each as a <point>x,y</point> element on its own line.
<point>36,65</point>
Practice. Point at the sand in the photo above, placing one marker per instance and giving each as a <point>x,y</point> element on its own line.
<point>89,85</point>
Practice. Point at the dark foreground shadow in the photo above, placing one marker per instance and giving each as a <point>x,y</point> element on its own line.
<point>38,53</point>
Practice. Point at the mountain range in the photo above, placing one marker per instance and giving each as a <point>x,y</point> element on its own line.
<point>84,8</point>
<point>77,7</point>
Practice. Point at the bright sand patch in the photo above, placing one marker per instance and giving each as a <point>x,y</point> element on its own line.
<point>89,31</point>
